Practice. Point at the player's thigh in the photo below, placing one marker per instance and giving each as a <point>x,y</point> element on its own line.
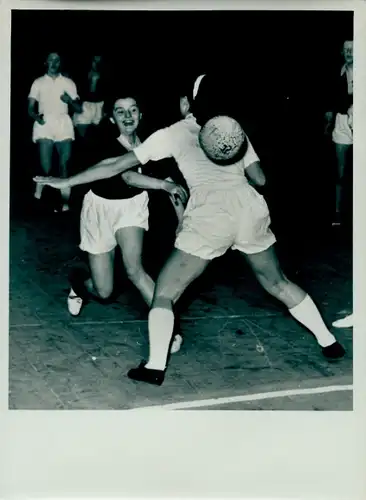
<point>130,241</point>
<point>102,272</point>
<point>180,270</point>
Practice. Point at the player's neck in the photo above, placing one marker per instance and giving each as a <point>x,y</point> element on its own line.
<point>53,75</point>
<point>132,139</point>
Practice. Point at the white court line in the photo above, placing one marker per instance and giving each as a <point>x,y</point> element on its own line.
<point>247,397</point>
<point>122,322</point>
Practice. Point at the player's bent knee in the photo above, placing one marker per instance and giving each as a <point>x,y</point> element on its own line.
<point>104,293</point>
<point>134,272</point>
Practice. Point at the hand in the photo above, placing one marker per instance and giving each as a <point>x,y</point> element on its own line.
<point>54,182</point>
<point>176,192</point>
<point>40,120</point>
<point>66,98</point>
<point>328,129</point>
<point>328,123</point>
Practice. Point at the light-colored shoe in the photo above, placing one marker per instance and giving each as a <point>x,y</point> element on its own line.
<point>176,344</point>
<point>346,322</point>
<point>74,303</point>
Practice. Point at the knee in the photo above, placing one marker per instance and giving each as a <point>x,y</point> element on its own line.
<point>134,271</point>
<point>104,293</point>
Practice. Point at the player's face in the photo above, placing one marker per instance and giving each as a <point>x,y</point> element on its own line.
<point>53,63</point>
<point>348,52</point>
<point>126,115</point>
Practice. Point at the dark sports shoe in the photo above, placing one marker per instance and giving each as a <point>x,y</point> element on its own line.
<point>142,374</point>
<point>334,351</point>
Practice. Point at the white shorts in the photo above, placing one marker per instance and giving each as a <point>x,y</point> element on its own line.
<point>91,114</point>
<point>216,220</point>
<point>342,133</point>
<point>57,128</point>
<point>101,218</point>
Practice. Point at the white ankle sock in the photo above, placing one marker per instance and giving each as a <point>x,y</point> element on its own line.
<point>161,325</point>
<point>307,313</point>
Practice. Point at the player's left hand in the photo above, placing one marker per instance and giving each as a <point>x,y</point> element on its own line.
<point>176,191</point>
<point>54,182</point>
<point>66,98</point>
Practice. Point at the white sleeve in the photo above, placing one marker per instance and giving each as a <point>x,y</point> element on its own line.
<point>72,90</point>
<point>34,91</point>
<point>156,147</point>
<point>250,155</point>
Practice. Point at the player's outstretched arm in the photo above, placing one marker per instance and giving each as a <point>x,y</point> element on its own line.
<point>146,182</point>
<point>102,170</point>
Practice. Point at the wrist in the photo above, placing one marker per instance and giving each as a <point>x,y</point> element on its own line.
<point>70,182</point>
<point>165,185</point>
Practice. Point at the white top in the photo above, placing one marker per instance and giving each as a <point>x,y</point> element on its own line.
<point>48,91</point>
<point>180,141</point>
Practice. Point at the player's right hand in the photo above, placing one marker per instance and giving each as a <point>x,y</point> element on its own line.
<point>54,182</point>
<point>40,120</point>
<point>176,191</point>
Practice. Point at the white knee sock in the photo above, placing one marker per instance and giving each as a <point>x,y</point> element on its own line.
<point>161,325</point>
<point>307,313</point>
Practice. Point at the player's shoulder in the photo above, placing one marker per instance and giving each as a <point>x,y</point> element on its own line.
<point>39,80</point>
<point>180,126</point>
<point>67,79</point>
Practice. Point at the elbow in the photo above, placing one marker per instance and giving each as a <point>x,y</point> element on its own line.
<point>261,181</point>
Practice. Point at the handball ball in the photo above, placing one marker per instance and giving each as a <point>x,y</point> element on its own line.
<point>223,140</point>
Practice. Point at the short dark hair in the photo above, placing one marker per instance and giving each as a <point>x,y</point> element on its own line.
<point>115,94</point>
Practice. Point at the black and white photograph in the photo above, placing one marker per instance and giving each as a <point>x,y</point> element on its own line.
<point>181,210</point>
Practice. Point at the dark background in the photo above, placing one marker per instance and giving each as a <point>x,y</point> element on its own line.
<point>277,67</point>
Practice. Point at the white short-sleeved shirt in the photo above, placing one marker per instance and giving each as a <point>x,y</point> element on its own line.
<point>47,91</point>
<point>349,72</point>
<point>180,141</point>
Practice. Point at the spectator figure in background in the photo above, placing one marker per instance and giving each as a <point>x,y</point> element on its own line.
<point>339,120</point>
<point>55,96</point>
<point>91,90</point>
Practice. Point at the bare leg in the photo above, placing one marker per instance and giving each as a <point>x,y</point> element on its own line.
<point>102,275</point>
<point>82,129</point>
<point>130,240</point>
<point>341,156</point>
<point>45,155</point>
<point>99,285</point>
<point>64,152</point>
<point>179,272</point>
<point>269,274</point>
